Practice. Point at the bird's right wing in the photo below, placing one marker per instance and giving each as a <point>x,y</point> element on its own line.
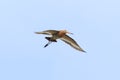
<point>48,32</point>
<point>71,42</point>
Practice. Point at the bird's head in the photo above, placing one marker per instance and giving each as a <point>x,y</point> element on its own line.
<point>66,32</point>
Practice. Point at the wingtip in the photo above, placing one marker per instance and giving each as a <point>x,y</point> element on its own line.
<point>37,32</point>
<point>83,51</point>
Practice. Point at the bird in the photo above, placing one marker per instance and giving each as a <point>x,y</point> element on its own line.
<point>62,35</point>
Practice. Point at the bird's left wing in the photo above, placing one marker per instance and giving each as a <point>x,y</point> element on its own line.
<point>48,32</point>
<point>71,42</point>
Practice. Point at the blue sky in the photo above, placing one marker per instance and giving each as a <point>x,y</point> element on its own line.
<point>96,28</point>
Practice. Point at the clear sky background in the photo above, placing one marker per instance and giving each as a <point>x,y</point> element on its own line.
<point>96,28</point>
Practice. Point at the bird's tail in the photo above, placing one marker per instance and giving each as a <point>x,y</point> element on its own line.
<point>47,44</point>
<point>51,39</point>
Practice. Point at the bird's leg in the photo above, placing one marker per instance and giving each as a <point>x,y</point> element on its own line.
<point>47,44</point>
<point>50,40</point>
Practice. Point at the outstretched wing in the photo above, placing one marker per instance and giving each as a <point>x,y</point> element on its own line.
<point>71,42</point>
<point>48,32</point>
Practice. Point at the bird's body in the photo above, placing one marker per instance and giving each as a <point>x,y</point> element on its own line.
<point>60,34</point>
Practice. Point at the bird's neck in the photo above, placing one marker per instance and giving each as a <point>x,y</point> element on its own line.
<point>61,34</point>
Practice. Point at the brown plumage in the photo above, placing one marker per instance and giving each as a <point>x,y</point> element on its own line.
<point>60,34</point>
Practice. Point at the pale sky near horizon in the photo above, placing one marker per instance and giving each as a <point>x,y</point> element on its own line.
<point>96,28</point>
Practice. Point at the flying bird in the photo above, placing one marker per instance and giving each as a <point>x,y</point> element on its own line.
<point>60,34</point>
